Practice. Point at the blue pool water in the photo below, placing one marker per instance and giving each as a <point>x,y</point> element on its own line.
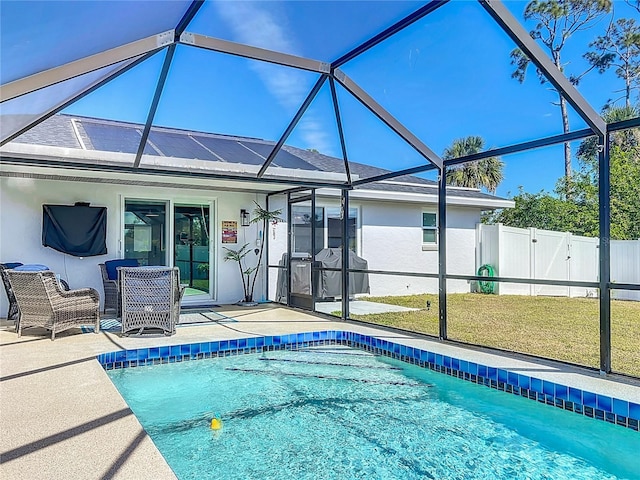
<point>335,412</point>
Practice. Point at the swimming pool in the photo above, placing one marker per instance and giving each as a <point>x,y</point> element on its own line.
<point>330,411</point>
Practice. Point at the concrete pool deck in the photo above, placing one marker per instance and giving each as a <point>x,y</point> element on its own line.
<point>61,417</point>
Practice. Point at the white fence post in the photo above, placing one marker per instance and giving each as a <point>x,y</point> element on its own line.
<point>533,240</point>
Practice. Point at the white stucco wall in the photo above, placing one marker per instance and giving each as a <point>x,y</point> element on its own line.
<point>21,201</point>
<point>390,239</point>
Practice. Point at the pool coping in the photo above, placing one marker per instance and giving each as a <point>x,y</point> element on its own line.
<point>577,400</point>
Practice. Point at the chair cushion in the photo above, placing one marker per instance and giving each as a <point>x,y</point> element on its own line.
<point>31,267</point>
<point>10,265</point>
<point>112,266</point>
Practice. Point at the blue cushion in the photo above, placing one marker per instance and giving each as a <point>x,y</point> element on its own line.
<point>31,267</point>
<point>11,265</point>
<point>112,265</point>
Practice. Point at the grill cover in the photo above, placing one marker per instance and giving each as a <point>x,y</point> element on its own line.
<point>328,284</point>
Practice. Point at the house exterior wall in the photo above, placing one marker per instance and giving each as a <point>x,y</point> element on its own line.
<point>21,201</point>
<point>390,239</point>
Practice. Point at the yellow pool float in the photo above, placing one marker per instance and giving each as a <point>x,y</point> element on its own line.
<point>216,424</point>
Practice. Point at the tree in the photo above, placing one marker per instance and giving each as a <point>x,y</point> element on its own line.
<point>634,4</point>
<point>485,173</point>
<point>557,21</point>
<point>545,211</point>
<point>250,274</point>
<point>625,139</point>
<point>579,215</point>
<point>625,193</point>
<point>619,48</point>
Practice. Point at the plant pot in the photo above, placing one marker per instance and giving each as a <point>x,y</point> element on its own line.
<point>247,304</point>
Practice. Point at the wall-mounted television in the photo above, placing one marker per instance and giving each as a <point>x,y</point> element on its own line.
<point>79,230</point>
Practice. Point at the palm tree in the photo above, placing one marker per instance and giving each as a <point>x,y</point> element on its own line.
<point>625,139</point>
<point>485,173</point>
<point>249,275</point>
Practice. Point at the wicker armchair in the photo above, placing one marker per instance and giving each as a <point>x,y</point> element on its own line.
<point>43,303</point>
<point>109,273</point>
<point>13,305</point>
<point>150,298</point>
<point>110,291</point>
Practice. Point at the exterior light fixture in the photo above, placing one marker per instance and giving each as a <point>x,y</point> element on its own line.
<point>245,218</point>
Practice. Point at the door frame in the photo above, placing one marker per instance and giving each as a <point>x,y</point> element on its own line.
<point>305,302</point>
<point>171,202</point>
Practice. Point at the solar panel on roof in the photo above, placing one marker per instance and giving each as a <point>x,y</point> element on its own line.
<point>115,138</point>
<point>230,150</point>
<point>283,158</point>
<point>179,145</point>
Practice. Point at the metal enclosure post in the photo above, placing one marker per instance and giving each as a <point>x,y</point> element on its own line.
<point>345,253</point>
<point>289,234</point>
<point>442,254</point>
<point>313,250</point>
<point>605,265</point>
<point>268,254</point>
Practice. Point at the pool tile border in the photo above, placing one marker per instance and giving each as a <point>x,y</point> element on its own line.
<point>600,407</point>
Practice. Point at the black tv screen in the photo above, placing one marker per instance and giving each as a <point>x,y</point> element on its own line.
<point>78,230</point>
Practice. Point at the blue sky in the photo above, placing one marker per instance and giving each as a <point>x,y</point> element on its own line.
<point>445,77</point>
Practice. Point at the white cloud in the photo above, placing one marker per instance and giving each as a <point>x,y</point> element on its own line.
<point>252,24</point>
<point>315,136</point>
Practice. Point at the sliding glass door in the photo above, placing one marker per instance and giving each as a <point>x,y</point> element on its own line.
<point>161,232</point>
<point>192,249</point>
<point>145,228</point>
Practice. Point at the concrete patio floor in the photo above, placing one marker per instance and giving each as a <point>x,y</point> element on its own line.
<point>61,417</point>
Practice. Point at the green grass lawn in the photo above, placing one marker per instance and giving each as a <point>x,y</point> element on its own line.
<point>559,328</point>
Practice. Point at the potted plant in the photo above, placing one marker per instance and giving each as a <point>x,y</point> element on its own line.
<point>250,274</point>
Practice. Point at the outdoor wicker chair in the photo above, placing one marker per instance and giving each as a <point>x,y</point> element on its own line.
<point>13,305</point>
<point>43,303</point>
<point>150,299</point>
<point>109,273</point>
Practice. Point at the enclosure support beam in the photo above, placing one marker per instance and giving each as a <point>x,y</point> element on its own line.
<point>76,68</point>
<point>345,254</point>
<point>313,250</point>
<point>253,53</point>
<point>605,258</point>
<point>305,105</point>
<point>154,104</point>
<point>378,110</point>
<point>266,247</point>
<point>442,254</point>
<point>496,152</point>
<point>289,246</point>
<point>392,30</point>
<point>83,93</point>
<point>623,124</point>
<point>188,16</point>
<point>532,50</point>
<point>343,145</point>
<point>390,175</point>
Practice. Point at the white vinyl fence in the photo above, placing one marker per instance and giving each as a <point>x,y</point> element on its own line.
<point>549,255</point>
<point>625,267</point>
